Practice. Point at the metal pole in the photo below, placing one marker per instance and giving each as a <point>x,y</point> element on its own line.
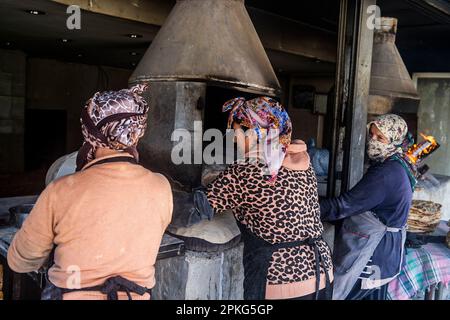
<point>353,66</point>
<point>340,63</point>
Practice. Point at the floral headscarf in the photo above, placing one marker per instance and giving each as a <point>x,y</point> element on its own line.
<point>114,120</point>
<point>395,129</point>
<point>264,113</point>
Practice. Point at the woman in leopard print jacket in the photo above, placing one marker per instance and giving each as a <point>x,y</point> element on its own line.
<point>276,208</point>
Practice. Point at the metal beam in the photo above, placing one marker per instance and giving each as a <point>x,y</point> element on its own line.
<point>358,96</point>
<point>354,61</point>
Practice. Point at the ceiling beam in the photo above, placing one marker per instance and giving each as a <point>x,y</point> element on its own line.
<point>276,32</point>
<point>290,36</point>
<point>146,11</point>
<point>437,10</point>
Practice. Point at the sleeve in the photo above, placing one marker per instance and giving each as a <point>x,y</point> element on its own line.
<point>166,190</point>
<point>366,195</point>
<point>169,218</point>
<point>33,243</point>
<point>226,191</point>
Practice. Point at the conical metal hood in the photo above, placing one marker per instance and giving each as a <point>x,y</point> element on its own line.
<point>391,87</point>
<point>212,41</point>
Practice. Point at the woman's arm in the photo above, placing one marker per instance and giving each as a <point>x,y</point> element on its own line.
<point>366,195</point>
<point>33,243</point>
<point>190,208</point>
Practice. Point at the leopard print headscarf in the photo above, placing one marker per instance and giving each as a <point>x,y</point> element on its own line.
<point>114,120</point>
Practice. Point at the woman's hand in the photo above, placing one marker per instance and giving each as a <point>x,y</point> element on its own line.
<point>190,208</point>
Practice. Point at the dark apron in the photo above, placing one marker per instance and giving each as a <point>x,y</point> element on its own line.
<point>112,285</point>
<point>257,258</point>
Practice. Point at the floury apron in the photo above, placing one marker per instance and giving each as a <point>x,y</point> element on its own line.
<point>359,237</point>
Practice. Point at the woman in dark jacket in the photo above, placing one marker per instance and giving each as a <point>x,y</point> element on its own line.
<point>369,247</point>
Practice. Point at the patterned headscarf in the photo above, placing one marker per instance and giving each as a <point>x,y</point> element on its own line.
<point>395,129</point>
<point>114,120</point>
<point>264,113</point>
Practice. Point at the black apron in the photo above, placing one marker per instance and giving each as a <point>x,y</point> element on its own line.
<point>257,257</point>
<point>112,285</point>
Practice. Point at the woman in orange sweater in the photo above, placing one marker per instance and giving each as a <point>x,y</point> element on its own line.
<point>105,222</point>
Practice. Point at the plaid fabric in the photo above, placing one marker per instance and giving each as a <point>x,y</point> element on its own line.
<point>426,266</point>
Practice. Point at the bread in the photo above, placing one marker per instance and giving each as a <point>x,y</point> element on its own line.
<point>424,216</point>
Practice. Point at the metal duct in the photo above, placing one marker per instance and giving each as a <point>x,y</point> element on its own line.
<point>391,87</point>
<point>211,41</point>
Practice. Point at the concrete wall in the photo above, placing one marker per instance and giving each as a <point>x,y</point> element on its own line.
<point>438,194</point>
<point>173,106</point>
<point>30,84</point>
<point>201,276</point>
<point>276,32</point>
<point>434,119</point>
<point>306,124</point>
<point>50,85</point>
<point>12,109</point>
<point>53,84</point>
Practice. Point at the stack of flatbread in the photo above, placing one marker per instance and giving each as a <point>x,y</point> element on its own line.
<point>424,216</point>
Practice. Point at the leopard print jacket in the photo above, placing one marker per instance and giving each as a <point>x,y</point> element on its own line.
<point>286,211</point>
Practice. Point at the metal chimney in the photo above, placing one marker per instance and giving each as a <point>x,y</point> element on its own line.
<point>211,41</point>
<point>391,87</point>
